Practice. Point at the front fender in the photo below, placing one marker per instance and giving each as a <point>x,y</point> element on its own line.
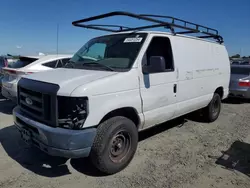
<point>100,105</point>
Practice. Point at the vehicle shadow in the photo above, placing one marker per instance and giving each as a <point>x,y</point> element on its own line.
<point>235,101</point>
<point>237,157</point>
<point>6,106</point>
<point>196,116</point>
<point>178,122</point>
<point>30,157</point>
<point>48,166</point>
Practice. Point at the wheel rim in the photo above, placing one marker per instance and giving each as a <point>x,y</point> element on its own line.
<point>120,146</point>
<point>216,107</point>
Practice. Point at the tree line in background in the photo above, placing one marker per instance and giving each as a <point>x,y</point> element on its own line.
<point>238,56</point>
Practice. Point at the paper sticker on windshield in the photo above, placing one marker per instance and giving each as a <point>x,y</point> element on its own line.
<point>137,39</point>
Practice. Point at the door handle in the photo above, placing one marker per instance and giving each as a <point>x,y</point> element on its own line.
<point>175,88</point>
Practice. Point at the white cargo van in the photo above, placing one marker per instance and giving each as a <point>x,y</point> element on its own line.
<point>119,84</point>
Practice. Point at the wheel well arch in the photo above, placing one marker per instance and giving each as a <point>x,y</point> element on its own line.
<point>128,112</point>
<point>220,91</point>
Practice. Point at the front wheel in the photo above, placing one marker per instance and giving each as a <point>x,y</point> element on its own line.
<point>212,111</point>
<point>115,145</point>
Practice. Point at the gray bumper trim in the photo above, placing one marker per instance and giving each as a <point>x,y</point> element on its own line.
<point>56,141</point>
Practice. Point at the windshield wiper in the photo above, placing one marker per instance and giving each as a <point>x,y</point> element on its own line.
<point>96,63</point>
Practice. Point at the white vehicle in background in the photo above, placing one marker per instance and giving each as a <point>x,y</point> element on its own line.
<point>28,65</point>
<point>119,84</point>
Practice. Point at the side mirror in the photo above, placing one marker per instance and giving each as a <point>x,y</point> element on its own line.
<point>156,64</point>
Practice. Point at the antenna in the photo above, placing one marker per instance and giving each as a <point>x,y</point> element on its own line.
<point>57,32</point>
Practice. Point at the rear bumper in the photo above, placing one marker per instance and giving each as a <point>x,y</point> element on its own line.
<point>240,94</point>
<point>10,93</point>
<point>54,140</point>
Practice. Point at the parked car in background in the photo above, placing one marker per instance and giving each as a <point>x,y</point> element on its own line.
<point>240,81</point>
<point>28,65</point>
<point>3,63</point>
<point>242,62</point>
<point>235,62</point>
<point>245,63</point>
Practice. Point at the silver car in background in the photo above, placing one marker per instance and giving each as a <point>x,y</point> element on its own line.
<point>240,81</point>
<point>3,63</point>
<point>28,65</point>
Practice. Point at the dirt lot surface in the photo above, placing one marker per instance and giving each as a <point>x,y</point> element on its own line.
<point>188,154</point>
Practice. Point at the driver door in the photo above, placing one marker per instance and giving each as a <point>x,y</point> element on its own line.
<point>159,89</point>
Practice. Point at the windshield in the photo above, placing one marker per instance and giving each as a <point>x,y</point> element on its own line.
<point>22,62</point>
<point>110,53</point>
<point>240,70</point>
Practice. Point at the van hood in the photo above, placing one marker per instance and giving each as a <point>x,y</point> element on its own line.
<point>69,79</point>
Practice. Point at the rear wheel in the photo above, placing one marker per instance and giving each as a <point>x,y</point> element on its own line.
<point>115,145</point>
<point>212,111</point>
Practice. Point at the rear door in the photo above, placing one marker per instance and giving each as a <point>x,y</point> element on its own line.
<point>159,89</point>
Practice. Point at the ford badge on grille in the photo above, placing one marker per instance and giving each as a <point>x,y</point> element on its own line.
<point>28,101</point>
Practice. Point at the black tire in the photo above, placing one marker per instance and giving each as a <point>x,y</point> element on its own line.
<point>212,111</point>
<point>110,141</point>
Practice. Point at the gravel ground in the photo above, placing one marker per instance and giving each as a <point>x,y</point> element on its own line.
<point>182,153</point>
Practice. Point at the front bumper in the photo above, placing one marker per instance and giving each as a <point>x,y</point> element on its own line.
<point>54,140</point>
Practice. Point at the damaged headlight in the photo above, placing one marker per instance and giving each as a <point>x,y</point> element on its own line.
<point>72,111</point>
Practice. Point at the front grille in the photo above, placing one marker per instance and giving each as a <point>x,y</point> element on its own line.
<point>40,107</point>
<point>38,100</point>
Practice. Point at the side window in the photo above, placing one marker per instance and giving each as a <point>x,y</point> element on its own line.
<point>51,64</point>
<point>64,61</point>
<point>160,46</point>
<point>59,63</point>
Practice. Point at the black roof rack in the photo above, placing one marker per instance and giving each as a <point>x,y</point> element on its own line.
<point>168,23</point>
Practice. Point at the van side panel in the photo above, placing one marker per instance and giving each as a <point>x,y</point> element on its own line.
<point>202,68</point>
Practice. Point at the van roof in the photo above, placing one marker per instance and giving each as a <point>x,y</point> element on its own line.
<point>167,33</point>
